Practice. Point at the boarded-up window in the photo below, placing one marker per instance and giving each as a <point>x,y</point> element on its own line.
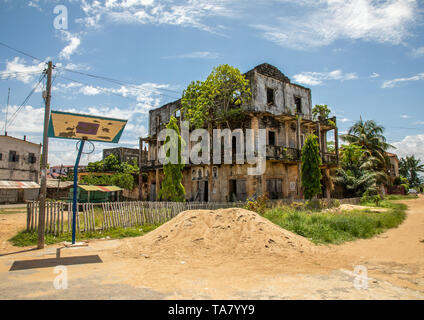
<point>274,188</point>
<point>238,191</point>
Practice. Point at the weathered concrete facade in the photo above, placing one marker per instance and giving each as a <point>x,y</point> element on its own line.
<point>19,159</point>
<point>123,154</point>
<point>284,110</point>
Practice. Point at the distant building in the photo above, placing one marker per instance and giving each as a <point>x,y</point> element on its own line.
<point>62,171</point>
<point>123,154</point>
<point>394,166</point>
<point>19,169</point>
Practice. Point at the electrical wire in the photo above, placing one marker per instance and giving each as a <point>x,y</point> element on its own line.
<point>13,117</point>
<point>21,52</point>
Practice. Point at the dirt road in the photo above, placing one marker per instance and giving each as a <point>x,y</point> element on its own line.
<point>394,262</point>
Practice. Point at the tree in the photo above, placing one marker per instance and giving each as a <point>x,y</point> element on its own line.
<point>217,99</point>
<point>357,172</point>
<point>310,171</point>
<point>369,136</point>
<point>172,188</point>
<point>410,168</point>
<point>320,112</point>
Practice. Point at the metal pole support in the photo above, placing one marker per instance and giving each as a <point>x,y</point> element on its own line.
<point>75,198</point>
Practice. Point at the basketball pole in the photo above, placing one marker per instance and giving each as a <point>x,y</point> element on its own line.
<point>75,198</point>
<point>43,186</point>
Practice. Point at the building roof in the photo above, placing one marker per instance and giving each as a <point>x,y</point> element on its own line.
<point>100,188</point>
<point>53,183</point>
<point>21,140</point>
<point>6,184</point>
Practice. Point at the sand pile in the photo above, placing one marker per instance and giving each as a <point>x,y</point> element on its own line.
<point>209,233</point>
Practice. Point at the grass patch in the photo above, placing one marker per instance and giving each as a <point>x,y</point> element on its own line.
<point>400,197</point>
<point>29,238</point>
<point>336,228</point>
<point>12,211</point>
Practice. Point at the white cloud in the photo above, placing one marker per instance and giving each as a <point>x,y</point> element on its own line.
<point>329,20</point>
<point>190,13</point>
<point>405,116</point>
<point>410,145</point>
<point>344,120</point>
<point>27,120</point>
<point>374,75</point>
<point>196,55</point>
<point>394,82</point>
<point>17,69</point>
<point>73,43</point>
<point>317,78</point>
<point>417,52</point>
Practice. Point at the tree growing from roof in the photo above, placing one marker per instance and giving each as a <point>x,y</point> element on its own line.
<point>217,99</point>
<point>310,171</point>
<point>410,168</point>
<point>172,189</point>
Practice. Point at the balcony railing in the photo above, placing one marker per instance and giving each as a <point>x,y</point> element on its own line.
<point>329,158</point>
<point>282,153</point>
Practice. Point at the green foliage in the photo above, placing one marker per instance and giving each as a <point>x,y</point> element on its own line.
<point>367,197</point>
<point>29,238</point>
<point>321,112</point>
<point>122,180</point>
<point>257,205</point>
<point>410,168</point>
<point>123,176</point>
<point>336,227</point>
<point>217,99</point>
<point>310,171</point>
<point>172,189</point>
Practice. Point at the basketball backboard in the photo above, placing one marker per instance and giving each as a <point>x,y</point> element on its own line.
<point>66,125</point>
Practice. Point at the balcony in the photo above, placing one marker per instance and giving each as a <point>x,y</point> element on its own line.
<point>282,153</point>
<point>329,158</point>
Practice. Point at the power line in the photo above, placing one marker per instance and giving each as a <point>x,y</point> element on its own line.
<point>13,117</point>
<point>120,82</point>
<point>20,51</point>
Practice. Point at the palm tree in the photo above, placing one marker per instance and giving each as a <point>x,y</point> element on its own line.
<point>410,168</point>
<point>369,136</point>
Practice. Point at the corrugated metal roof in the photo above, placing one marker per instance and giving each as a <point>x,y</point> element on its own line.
<point>100,188</point>
<point>5,184</point>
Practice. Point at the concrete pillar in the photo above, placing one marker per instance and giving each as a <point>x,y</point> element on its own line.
<point>157,185</point>
<point>286,127</point>
<point>298,131</point>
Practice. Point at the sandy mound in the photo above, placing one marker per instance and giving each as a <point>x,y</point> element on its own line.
<point>224,232</point>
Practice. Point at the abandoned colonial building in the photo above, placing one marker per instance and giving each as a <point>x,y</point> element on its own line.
<point>284,110</point>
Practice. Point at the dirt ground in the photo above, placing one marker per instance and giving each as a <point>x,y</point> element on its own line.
<point>189,263</point>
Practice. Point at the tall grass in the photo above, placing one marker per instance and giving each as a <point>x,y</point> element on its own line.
<point>338,227</point>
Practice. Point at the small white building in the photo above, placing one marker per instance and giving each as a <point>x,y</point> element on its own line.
<point>19,169</point>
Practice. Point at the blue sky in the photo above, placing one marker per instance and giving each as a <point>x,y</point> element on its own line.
<point>360,57</point>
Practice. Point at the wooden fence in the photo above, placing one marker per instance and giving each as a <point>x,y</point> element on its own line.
<point>93,217</point>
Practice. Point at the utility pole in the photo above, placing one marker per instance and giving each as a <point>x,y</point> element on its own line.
<point>43,187</point>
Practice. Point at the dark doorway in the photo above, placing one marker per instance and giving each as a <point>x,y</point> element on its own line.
<point>271,138</point>
<point>206,192</point>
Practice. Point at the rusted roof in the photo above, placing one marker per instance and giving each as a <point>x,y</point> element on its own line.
<point>5,184</point>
